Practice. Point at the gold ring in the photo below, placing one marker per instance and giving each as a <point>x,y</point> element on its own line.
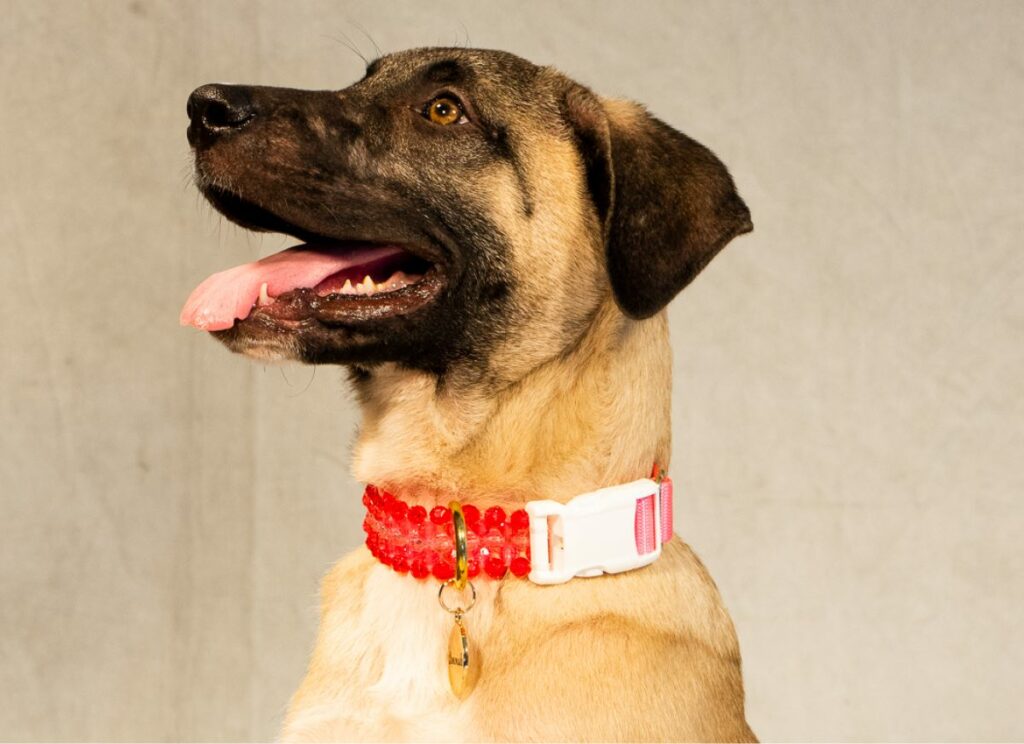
<point>461,556</point>
<point>456,610</point>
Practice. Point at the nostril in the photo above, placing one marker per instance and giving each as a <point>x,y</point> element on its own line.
<point>219,114</point>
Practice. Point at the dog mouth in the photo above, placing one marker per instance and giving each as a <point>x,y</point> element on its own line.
<point>335,281</point>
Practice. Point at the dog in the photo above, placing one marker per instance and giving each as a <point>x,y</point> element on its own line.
<point>489,248</point>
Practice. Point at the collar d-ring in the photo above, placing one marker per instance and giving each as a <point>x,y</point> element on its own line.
<point>461,552</point>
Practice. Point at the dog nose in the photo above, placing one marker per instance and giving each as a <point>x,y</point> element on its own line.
<point>215,110</point>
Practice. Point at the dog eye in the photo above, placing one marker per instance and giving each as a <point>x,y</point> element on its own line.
<point>445,110</point>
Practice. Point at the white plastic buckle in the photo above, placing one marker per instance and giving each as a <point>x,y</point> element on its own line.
<point>591,535</point>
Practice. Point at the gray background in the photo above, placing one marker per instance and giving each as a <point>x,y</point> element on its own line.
<point>849,379</point>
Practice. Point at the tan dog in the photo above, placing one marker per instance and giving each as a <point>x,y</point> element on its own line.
<point>521,237</point>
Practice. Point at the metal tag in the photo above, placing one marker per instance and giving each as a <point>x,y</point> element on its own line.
<point>461,670</point>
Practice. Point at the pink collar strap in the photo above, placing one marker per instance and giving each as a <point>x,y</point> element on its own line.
<point>610,530</point>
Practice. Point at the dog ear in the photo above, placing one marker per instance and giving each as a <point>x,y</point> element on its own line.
<point>667,204</point>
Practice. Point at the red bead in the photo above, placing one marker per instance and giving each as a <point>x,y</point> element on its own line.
<point>471,513</point>
<point>401,564</point>
<point>419,568</point>
<point>440,515</point>
<point>473,569</point>
<point>443,570</point>
<point>494,517</point>
<point>417,514</point>
<point>494,567</point>
<point>398,509</point>
<point>519,566</point>
<point>371,492</point>
<point>520,519</point>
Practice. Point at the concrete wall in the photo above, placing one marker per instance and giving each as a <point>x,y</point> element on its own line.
<point>849,379</point>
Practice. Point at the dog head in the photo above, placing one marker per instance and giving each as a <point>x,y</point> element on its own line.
<point>452,203</point>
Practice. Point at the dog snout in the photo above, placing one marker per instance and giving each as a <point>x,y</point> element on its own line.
<point>216,110</point>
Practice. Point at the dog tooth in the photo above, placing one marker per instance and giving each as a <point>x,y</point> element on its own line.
<point>368,286</point>
<point>348,288</point>
<point>264,297</point>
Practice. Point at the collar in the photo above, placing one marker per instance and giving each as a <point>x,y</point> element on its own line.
<point>610,530</point>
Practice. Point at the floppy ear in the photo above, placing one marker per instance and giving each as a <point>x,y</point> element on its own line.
<point>668,205</point>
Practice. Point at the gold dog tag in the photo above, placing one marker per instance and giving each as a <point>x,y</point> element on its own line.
<point>461,669</point>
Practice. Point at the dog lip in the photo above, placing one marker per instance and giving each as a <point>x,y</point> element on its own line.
<point>295,308</point>
<point>253,216</point>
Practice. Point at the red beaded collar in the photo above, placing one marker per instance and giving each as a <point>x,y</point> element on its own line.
<point>606,531</point>
<point>410,540</point>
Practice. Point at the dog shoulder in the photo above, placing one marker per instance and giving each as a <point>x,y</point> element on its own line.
<point>599,647</point>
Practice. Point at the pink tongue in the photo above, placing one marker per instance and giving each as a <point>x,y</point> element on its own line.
<point>229,295</point>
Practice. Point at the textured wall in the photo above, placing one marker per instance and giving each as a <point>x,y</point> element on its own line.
<point>849,379</point>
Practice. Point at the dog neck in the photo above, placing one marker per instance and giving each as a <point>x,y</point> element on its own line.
<point>594,415</point>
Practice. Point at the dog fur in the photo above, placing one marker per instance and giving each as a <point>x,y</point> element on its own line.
<point>541,371</point>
